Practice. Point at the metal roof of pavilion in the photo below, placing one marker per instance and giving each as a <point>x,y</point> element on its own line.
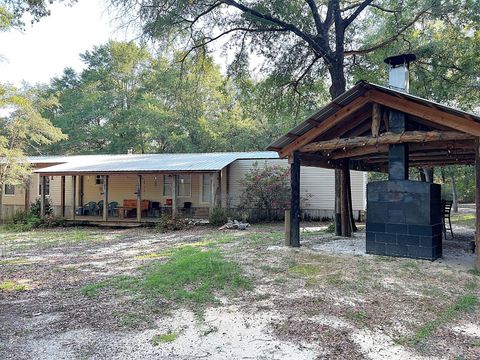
<point>147,162</point>
<point>347,97</point>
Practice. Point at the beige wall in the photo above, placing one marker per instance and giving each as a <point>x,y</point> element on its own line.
<point>317,182</point>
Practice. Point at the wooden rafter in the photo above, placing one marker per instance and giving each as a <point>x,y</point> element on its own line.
<point>355,120</point>
<point>386,138</point>
<point>434,115</point>
<point>325,125</point>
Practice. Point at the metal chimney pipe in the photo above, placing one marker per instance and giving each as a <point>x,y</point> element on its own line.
<point>398,77</point>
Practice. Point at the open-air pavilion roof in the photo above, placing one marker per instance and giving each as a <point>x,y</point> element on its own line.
<point>355,126</point>
<point>148,163</point>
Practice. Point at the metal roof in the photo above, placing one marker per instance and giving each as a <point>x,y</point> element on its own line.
<point>347,97</point>
<point>147,162</point>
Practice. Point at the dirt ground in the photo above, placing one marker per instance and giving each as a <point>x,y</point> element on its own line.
<point>325,300</point>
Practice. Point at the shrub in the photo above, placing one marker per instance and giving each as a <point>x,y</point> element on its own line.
<point>36,205</point>
<point>23,221</point>
<point>167,223</point>
<point>218,216</point>
<point>330,228</point>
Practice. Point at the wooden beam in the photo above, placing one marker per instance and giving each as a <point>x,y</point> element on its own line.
<point>43,180</point>
<point>376,118</point>
<point>295,200</point>
<point>314,160</point>
<point>74,195</point>
<point>174,195</point>
<point>139,198</point>
<point>325,125</point>
<point>436,116</point>
<point>477,205</point>
<point>385,138</point>
<point>62,195</point>
<point>359,151</point>
<point>342,129</point>
<point>105,198</point>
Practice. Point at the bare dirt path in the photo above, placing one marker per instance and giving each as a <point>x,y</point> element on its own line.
<point>326,300</point>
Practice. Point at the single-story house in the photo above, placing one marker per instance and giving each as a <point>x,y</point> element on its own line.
<point>141,187</point>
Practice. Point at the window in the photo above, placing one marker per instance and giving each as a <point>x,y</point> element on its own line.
<point>206,188</point>
<point>9,190</point>
<point>47,186</point>
<point>99,180</point>
<point>184,185</point>
<point>167,185</point>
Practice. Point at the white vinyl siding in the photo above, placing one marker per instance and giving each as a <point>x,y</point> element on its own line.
<point>317,183</point>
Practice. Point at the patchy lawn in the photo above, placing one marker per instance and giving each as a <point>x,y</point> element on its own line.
<point>138,294</point>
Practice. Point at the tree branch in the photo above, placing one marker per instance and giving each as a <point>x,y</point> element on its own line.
<point>316,15</point>
<point>357,12</point>
<point>388,40</point>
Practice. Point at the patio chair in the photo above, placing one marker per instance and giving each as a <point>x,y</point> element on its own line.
<point>113,208</point>
<point>100,207</point>
<point>90,208</point>
<point>154,210</point>
<point>447,223</point>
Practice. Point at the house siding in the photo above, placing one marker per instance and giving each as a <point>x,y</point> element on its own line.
<point>316,184</point>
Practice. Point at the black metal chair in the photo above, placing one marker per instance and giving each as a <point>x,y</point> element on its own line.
<point>447,223</point>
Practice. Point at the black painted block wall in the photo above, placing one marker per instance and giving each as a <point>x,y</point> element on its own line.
<point>404,219</point>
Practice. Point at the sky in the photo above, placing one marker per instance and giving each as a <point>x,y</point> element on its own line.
<point>45,48</point>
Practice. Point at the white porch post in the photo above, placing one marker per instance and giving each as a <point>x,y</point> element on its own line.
<point>74,195</point>
<point>43,181</point>
<point>105,198</point>
<point>174,196</point>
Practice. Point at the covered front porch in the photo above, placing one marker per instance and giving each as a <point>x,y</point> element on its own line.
<point>133,198</point>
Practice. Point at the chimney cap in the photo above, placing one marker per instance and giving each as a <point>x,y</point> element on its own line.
<point>400,59</point>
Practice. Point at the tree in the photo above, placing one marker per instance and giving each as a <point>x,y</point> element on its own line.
<point>22,130</point>
<point>300,38</point>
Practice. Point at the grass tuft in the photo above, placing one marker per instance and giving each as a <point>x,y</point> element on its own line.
<point>164,338</point>
<point>11,286</point>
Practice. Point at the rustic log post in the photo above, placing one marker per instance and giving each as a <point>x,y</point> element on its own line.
<point>338,203</point>
<point>105,198</point>
<point>345,216</point>
<point>62,196</point>
<point>74,196</point>
<point>295,199</point>
<point>477,205</point>
<point>139,198</point>
<point>174,196</point>
<point>27,195</point>
<point>43,181</point>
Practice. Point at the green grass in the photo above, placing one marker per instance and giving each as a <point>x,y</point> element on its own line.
<point>463,304</point>
<point>463,219</point>
<point>191,276</point>
<point>164,338</point>
<point>17,261</point>
<point>11,286</point>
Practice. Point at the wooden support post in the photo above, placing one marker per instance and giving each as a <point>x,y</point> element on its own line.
<point>338,203</point>
<point>43,181</point>
<point>174,196</point>
<point>212,194</point>
<point>295,200</point>
<point>376,119</point>
<point>62,196</point>
<point>345,215</point>
<point>81,190</point>
<point>287,227</point>
<point>105,198</point>
<point>74,196</point>
<point>477,205</point>
<point>139,198</point>
<point>27,196</point>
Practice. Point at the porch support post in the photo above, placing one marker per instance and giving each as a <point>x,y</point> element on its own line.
<point>295,199</point>
<point>43,181</point>
<point>27,195</point>
<point>477,204</point>
<point>139,198</point>
<point>62,196</point>
<point>174,196</point>
<point>74,195</point>
<point>82,188</point>
<point>105,198</point>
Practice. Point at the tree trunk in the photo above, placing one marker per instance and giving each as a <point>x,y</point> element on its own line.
<point>454,193</point>
<point>344,221</point>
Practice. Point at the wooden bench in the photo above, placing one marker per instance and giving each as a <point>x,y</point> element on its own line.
<point>130,205</point>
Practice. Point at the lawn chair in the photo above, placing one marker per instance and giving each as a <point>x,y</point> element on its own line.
<point>447,223</point>
<point>113,208</point>
<point>90,208</point>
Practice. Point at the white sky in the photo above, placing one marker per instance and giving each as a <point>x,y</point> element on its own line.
<point>45,48</point>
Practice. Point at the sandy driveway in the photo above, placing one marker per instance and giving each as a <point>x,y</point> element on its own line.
<point>324,300</point>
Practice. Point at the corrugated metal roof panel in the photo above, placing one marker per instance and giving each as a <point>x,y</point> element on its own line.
<point>152,162</point>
